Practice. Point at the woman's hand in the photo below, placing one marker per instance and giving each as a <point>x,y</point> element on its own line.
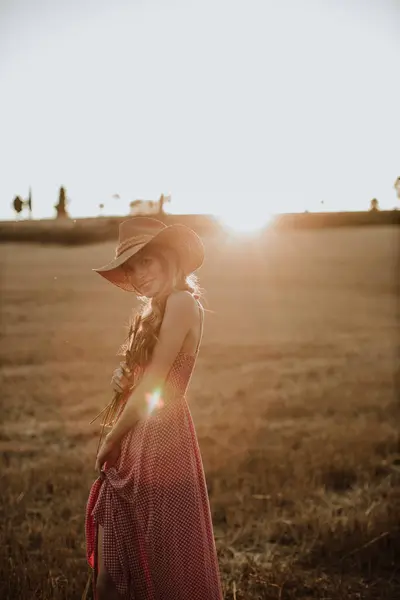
<point>120,380</point>
<point>109,453</point>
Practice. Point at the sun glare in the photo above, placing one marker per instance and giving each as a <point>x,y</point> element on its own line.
<point>244,224</point>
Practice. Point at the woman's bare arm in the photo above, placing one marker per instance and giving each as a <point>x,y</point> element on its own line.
<point>180,314</point>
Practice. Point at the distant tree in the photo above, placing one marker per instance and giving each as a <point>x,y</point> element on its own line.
<point>61,207</point>
<point>101,208</point>
<point>163,200</point>
<point>29,203</point>
<point>18,205</point>
<point>161,205</point>
<point>397,187</point>
<point>374,205</point>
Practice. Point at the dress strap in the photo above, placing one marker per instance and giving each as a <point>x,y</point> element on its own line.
<point>201,310</point>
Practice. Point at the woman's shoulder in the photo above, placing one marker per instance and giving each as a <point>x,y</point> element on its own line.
<point>182,302</point>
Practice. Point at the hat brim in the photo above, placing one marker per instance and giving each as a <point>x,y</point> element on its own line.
<point>184,240</point>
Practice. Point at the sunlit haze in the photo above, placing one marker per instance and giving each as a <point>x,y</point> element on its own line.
<point>256,105</point>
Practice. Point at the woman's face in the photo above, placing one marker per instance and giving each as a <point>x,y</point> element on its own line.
<point>145,273</point>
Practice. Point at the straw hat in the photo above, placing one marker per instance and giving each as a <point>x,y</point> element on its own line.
<point>137,232</point>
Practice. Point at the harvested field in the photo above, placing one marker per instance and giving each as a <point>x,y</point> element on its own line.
<point>295,400</point>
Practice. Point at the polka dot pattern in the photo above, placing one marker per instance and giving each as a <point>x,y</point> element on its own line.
<point>154,507</point>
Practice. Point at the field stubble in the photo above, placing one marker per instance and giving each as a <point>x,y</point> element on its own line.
<point>294,401</point>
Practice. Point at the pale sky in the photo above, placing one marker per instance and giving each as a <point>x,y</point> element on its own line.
<point>256,105</point>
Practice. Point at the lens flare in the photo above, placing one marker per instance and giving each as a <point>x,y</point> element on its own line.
<point>154,400</point>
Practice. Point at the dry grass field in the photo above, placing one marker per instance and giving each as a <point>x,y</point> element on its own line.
<point>294,400</point>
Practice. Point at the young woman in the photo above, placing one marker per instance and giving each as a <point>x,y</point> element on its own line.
<point>149,533</point>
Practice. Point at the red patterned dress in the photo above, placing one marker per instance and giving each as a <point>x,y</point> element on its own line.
<point>154,507</point>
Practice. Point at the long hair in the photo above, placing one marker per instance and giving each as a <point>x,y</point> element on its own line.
<point>145,322</point>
